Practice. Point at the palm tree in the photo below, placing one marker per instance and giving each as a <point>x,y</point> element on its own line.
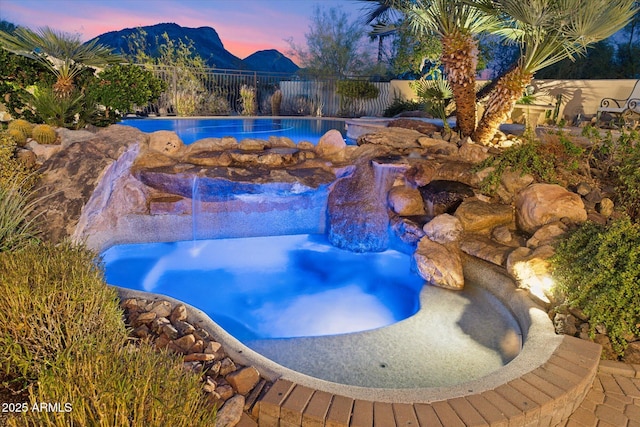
<point>457,23</point>
<point>547,31</point>
<point>61,53</point>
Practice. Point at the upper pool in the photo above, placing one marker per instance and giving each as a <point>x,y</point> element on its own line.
<point>192,129</point>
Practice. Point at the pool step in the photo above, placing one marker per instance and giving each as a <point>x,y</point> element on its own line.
<point>545,396</point>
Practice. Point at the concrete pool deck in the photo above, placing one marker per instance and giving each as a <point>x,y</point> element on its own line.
<point>543,385</point>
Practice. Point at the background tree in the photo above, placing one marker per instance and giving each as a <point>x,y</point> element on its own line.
<point>547,31</point>
<point>334,46</point>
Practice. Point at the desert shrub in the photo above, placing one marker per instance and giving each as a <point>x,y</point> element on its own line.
<point>400,105</point>
<point>51,299</point>
<point>248,97</point>
<point>617,160</point>
<point>527,157</point>
<point>216,104</point>
<point>18,227</point>
<point>126,386</point>
<point>597,268</point>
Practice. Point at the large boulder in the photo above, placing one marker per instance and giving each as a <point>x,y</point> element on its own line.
<point>444,228</point>
<point>481,217</point>
<point>438,264</point>
<point>331,143</point>
<point>70,177</point>
<point>443,196</point>
<point>357,215</point>
<point>166,142</point>
<point>406,201</point>
<point>541,204</point>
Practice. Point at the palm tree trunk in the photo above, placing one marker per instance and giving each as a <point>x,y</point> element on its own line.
<point>460,58</point>
<point>500,104</point>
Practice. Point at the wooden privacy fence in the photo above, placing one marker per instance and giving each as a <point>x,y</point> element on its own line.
<point>212,92</point>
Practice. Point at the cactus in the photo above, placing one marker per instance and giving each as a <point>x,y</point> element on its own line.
<point>276,100</point>
<point>18,137</point>
<point>44,134</point>
<point>21,125</point>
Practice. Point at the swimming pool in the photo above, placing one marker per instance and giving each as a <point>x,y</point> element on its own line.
<point>275,286</point>
<point>193,129</point>
<point>362,319</point>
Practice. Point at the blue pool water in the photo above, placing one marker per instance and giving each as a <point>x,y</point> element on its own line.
<point>273,287</point>
<point>190,130</point>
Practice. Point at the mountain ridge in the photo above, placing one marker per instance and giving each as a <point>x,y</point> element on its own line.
<point>206,43</point>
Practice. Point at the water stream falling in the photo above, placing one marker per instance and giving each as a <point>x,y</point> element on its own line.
<point>195,208</point>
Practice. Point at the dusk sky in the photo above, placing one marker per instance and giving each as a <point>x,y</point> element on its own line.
<point>244,26</point>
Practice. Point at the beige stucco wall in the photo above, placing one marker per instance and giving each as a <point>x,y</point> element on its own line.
<point>579,96</point>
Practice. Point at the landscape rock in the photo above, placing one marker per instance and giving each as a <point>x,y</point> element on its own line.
<point>439,265</point>
<point>443,229</point>
<point>398,138</point>
<point>473,153</point>
<point>443,196</point>
<point>407,229</point>
<point>406,201</point>
<point>632,353</point>
<point>483,247</point>
<point>547,234</point>
<point>166,142</point>
<point>530,267</point>
<point>330,143</point>
<point>357,217</point>
<point>477,216</point>
<point>421,126</point>
<point>231,412</point>
<point>605,207</point>
<point>70,177</point>
<point>243,380</point>
<point>541,204</point>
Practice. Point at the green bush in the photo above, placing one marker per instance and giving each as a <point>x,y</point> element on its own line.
<point>597,268</point>
<point>50,299</point>
<point>627,174</point>
<point>127,386</point>
<point>352,93</point>
<point>120,87</point>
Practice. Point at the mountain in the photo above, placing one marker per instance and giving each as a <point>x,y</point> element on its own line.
<point>270,61</point>
<point>206,43</point>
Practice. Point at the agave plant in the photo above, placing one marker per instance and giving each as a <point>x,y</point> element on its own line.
<point>547,31</point>
<point>61,53</point>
